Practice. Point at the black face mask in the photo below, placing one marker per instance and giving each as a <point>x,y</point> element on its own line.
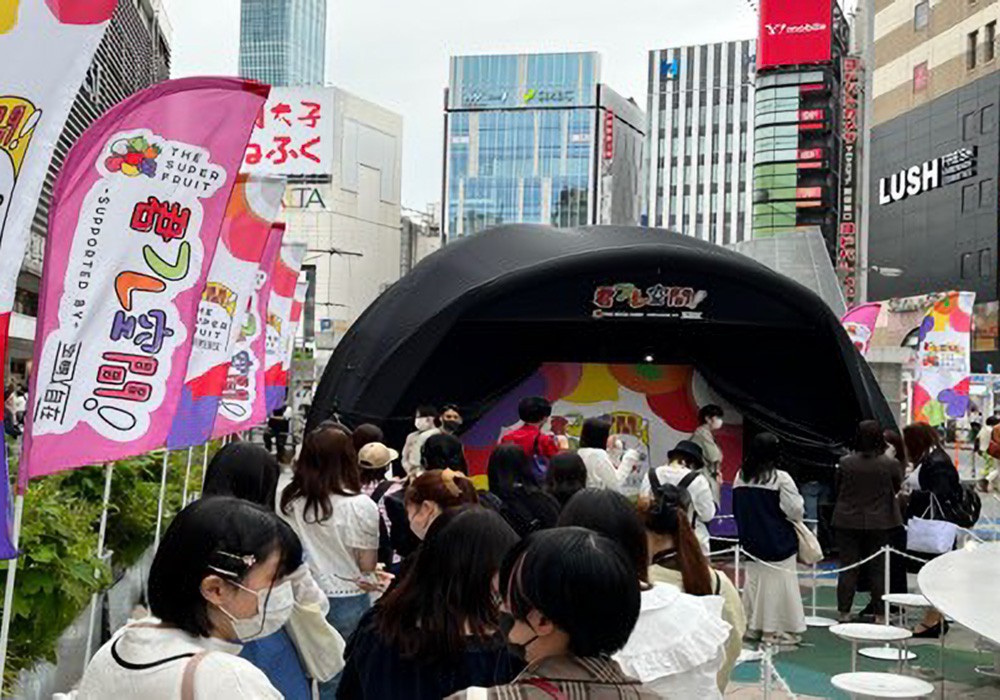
<point>506,624</point>
<point>451,426</point>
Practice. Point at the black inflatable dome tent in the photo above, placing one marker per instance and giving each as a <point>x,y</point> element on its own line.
<point>476,318</point>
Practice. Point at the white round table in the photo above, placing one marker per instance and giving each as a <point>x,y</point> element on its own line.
<point>864,632</point>
<point>881,685</point>
<point>888,653</point>
<point>960,584</point>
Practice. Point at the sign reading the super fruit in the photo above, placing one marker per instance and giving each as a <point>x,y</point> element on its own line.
<point>133,228</point>
<point>293,133</point>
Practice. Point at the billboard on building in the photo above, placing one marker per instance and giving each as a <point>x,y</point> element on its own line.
<point>848,228</point>
<point>794,32</point>
<point>293,134</point>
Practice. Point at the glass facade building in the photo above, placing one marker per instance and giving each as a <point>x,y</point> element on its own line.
<point>522,139</point>
<point>283,42</point>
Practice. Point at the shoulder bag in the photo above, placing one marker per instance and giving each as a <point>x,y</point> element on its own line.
<point>930,535</point>
<point>810,551</point>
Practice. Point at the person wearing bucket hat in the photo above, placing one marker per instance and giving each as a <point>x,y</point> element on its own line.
<point>684,470</point>
<point>375,461</point>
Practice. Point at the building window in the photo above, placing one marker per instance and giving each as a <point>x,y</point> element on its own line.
<point>985,193</point>
<point>985,269</point>
<point>989,42</point>
<point>970,199</point>
<point>970,51</point>
<point>986,119</point>
<point>966,266</point>
<point>920,13</point>
<point>921,76</point>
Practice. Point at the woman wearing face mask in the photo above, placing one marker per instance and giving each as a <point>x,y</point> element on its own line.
<point>338,526</point>
<point>426,639</point>
<point>602,473</point>
<point>434,492</point>
<point>678,645</point>
<point>710,422</point>
<point>219,579</point>
<point>250,472</point>
<point>423,423</point>
<point>570,598</point>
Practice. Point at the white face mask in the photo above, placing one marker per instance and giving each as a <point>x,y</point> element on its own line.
<point>423,423</point>
<point>716,423</point>
<point>272,612</point>
<point>890,452</point>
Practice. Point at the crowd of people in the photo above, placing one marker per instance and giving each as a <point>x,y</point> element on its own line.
<point>550,583</point>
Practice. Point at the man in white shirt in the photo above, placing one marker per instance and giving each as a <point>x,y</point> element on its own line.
<point>683,470</point>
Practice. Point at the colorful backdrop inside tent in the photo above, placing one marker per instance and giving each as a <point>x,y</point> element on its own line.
<point>651,406</point>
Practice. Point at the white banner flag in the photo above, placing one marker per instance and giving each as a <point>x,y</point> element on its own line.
<point>47,46</point>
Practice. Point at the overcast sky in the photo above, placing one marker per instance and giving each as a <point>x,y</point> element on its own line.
<point>395,52</point>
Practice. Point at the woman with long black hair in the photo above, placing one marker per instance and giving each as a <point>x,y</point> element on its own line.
<point>523,503</point>
<point>437,630</point>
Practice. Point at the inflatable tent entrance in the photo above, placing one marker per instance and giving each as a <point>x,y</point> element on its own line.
<point>642,324</point>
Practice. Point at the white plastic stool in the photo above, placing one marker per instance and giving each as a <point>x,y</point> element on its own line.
<point>881,685</point>
<point>863,632</point>
<point>888,653</point>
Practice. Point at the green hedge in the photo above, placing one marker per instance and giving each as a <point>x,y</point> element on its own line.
<point>56,572</point>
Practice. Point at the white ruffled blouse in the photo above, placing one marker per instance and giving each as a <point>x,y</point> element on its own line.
<point>678,644</point>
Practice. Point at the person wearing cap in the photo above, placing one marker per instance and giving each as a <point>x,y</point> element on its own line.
<point>684,470</point>
<point>375,460</point>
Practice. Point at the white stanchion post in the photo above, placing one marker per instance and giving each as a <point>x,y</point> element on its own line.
<point>187,475</point>
<point>101,534</point>
<point>887,582</point>
<point>736,566</point>
<point>887,652</point>
<point>8,595</point>
<point>815,620</point>
<point>163,495</point>
<point>766,671</point>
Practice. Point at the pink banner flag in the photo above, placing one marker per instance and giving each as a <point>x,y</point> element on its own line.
<point>133,229</point>
<point>243,404</point>
<point>859,323</point>
<point>280,329</point>
<point>253,208</point>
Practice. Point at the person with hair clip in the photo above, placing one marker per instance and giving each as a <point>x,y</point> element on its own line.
<point>678,645</point>
<point>424,640</point>
<point>434,492</point>
<point>569,600</point>
<point>338,526</point>
<point>220,579</point>
<point>250,472</point>
<point>676,558</point>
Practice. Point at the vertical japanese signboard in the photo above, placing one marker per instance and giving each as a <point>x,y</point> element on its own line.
<point>133,228</point>
<point>242,405</point>
<point>293,134</point>
<point>848,228</point>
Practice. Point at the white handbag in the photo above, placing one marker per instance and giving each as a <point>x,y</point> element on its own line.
<point>810,551</point>
<point>929,536</point>
<point>320,646</point>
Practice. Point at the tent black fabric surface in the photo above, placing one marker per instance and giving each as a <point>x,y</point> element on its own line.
<point>474,319</point>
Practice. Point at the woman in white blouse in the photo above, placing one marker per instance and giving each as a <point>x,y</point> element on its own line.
<point>678,645</point>
<point>602,471</point>
<point>338,526</point>
<point>221,576</point>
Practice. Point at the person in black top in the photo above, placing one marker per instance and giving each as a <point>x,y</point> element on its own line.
<point>567,474</point>
<point>526,507</point>
<point>437,631</point>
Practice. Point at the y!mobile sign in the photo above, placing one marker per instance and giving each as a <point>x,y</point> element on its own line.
<point>794,32</point>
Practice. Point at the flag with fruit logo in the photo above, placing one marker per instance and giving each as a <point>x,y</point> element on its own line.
<point>47,46</point>
<point>128,252</point>
<point>253,208</point>
<point>280,328</point>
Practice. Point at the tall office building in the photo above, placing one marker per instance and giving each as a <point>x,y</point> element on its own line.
<point>283,42</point>
<point>700,140</point>
<point>133,54</point>
<point>536,138</point>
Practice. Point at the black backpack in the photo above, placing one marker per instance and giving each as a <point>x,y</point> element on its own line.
<point>683,495</point>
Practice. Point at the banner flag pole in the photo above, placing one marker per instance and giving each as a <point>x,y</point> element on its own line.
<point>8,595</point>
<point>101,533</point>
<point>187,475</point>
<point>204,466</point>
<point>163,494</point>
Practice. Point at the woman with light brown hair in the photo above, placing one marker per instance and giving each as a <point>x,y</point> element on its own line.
<point>338,526</point>
<point>434,492</point>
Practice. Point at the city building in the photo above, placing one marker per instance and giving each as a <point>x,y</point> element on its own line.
<point>699,141</point>
<point>537,138</point>
<point>283,42</point>
<point>349,220</point>
<point>807,123</point>
<point>420,236</point>
<point>133,54</point>
<point>935,154</point>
